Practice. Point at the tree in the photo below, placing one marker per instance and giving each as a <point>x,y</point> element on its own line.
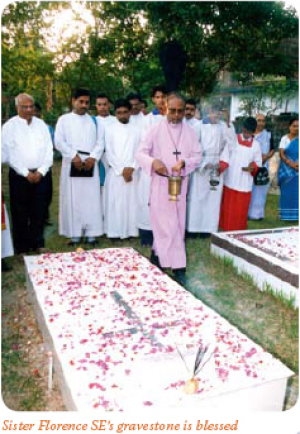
<point>120,51</point>
<point>26,66</point>
<point>279,94</point>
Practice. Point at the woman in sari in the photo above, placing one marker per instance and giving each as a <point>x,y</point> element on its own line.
<point>288,174</point>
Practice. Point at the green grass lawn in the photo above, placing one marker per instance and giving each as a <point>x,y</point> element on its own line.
<point>264,318</point>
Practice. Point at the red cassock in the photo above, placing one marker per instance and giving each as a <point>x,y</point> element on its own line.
<point>2,213</point>
<point>234,210</point>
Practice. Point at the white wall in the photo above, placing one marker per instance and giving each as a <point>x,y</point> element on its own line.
<point>293,105</point>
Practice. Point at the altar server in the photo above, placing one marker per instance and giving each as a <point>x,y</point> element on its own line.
<point>28,144</point>
<point>158,95</point>
<point>244,159</point>
<point>259,192</point>
<point>81,143</point>
<point>204,200</point>
<point>120,190</point>
<point>169,147</point>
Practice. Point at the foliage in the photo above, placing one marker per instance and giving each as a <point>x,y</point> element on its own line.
<point>119,52</point>
<point>238,36</point>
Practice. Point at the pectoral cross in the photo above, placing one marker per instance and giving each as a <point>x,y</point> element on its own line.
<point>176,153</point>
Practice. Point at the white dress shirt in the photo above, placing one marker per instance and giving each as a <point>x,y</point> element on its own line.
<point>28,146</point>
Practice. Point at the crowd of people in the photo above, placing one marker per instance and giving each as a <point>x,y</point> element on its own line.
<point>115,172</point>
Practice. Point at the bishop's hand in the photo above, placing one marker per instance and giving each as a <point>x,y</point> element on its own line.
<point>178,166</point>
<point>159,167</point>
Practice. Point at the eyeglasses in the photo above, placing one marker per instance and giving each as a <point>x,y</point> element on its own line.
<point>173,111</point>
<point>26,106</point>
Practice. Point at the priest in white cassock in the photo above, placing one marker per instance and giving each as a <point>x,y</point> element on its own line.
<point>136,114</point>
<point>81,143</point>
<point>158,95</point>
<point>120,190</point>
<point>102,106</point>
<point>104,118</point>
<point>204,199</point>
<point>189,117</point>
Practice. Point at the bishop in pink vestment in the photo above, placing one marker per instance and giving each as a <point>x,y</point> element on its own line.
<point>169,147</point>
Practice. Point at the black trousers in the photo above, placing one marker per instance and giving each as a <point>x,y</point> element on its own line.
<point>29,204</point>
<point>50,194</point>
<point>146,237</point>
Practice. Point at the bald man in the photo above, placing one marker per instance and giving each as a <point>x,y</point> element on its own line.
<point>28,145</point>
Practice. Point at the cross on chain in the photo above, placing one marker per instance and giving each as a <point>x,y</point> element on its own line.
<point>176,153</point>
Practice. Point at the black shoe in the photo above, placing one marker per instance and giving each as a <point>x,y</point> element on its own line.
<point>180,276</point>
<point>205,235</point>
<point>191,234</point>
<point>154,259</point>
<point>146,244</point>
<point>73,243</point>
<point>5,266</point>
<point>92,243</point>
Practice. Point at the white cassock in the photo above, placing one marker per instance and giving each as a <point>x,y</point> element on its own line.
<point>106,121</point>
<point>195,124</point>
<point>6,241</point>
<point>7,248</point>
<point>259,192</point>
<point>203,203</point>
<point>137,119</point>
<point>120,197</point>
<point>144,181</point>
<point>80,210</point>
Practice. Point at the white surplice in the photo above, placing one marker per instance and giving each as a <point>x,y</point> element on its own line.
<point>106,121</point>
<point>144,181</point>
<point>137,120</point>
<point>241,156</point>
<point>120,197</point>
<point>203,203</point>
<point>195,124</point>
<point>80,210</point>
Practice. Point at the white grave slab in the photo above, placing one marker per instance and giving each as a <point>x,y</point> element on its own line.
<point>116,325</point>
<point>270,256</point>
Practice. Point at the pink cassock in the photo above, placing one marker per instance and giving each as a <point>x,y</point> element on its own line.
<point>168,218</point>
